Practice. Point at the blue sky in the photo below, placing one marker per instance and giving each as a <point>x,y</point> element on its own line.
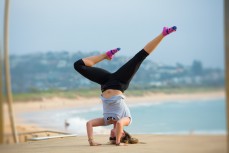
<point>89,25</point>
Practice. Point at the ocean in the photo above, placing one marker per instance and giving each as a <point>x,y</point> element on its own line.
<point>171,117</point>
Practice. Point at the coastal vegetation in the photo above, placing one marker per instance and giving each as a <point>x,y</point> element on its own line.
<point>51,74</point>
<point>90,93</point>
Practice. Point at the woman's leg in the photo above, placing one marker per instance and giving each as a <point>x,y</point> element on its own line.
<point>94,74</point>
<point>92,60</point>
<point>149,47</point>
<point>127,71</point>
<point>98,75</point>
<point>84,67</point>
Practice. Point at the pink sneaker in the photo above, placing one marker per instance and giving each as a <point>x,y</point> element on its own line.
<point>111,53</point>
<point>167,30</point>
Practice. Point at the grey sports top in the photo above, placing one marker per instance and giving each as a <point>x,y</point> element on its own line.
<point>115,107</point>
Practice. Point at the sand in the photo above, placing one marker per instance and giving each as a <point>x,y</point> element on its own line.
<point>154,143</point>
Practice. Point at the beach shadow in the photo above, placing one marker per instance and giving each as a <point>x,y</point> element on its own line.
<point>110,144</point>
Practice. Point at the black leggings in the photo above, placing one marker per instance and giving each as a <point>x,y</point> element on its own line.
<point>123,75</point>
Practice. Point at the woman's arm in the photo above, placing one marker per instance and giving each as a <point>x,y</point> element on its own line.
<point>119,128</point>
<point>90,124</point>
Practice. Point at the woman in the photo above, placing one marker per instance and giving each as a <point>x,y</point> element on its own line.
<point>113,85</point>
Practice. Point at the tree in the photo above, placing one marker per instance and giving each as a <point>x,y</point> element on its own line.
<point>197,67</point>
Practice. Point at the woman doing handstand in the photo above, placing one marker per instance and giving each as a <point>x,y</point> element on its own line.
<point>113,85</point>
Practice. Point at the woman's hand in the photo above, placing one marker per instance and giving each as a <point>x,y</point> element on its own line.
<point>92,143</point>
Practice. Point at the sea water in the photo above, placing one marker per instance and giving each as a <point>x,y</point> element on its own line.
<point>171,117</point>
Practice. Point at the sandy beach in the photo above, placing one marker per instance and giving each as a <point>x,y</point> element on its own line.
<point>59,103</point>
<point>159,143</point>
<point>151,143</point>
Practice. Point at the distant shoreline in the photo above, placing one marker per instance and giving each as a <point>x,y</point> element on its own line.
<point>95,92</point>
